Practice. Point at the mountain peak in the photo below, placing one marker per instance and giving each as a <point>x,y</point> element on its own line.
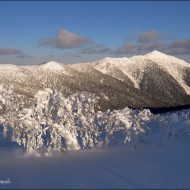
<point>107,59</point>
<point>159,56</point>
<point>156,53</point>
<point>52,62</point>
<point>53,65</point>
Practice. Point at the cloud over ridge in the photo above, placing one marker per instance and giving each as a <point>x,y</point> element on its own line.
<point>141,43</point>
<point>11,51</point>
<point>66,40</point>
<point>154,40</point>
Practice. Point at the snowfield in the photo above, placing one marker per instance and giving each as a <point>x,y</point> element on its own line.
<point>118,167</point>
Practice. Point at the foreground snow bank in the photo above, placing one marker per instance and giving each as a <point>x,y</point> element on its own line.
<point>148,167</point>
<point>55,122</point>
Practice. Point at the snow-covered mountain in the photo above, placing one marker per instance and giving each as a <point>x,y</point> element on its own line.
<point>136,66</point>
<point>151,80</point>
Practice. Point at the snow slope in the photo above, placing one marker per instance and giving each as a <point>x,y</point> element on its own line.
<point>134,67</point>
<point>175,67</point>
<point>9,68</point>
<point>35,71</point>
<point>119,167</point>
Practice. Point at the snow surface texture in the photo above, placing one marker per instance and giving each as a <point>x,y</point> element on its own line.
<point>55,122</point>
<point>119,167</point>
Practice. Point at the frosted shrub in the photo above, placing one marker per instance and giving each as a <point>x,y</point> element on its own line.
<point>55,122</point>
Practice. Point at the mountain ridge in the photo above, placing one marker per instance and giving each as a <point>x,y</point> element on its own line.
<point>151,80</point>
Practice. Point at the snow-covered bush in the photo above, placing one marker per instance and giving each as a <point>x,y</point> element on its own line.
<point>54,122</point>
<point>51,121</point>
<point>125,125</point>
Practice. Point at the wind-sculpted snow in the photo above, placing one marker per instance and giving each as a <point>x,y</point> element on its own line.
<point>54,122</point>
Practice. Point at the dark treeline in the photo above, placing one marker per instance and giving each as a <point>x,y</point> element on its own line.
<point>167,109</point>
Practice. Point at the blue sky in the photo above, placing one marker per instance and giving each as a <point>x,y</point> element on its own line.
<point>68,32</point>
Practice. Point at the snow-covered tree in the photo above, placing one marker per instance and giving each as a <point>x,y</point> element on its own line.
<point>52,121</point>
